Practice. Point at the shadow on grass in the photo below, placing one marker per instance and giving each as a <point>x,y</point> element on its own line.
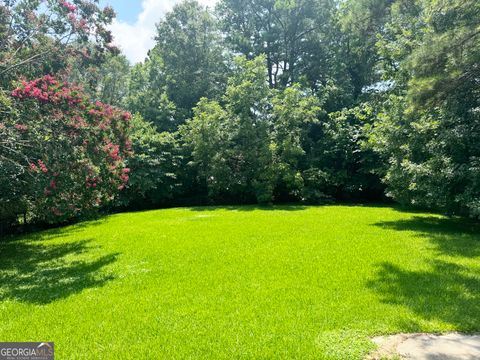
<point>447,292</point>
<point>293,207</point>
<point>48,231</point>
<point>36,273</point>
<point>303,206</point>
<point>450,236</point>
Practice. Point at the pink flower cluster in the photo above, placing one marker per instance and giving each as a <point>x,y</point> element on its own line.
<point>124,177</point>
<point>50,188</point>
<point>78,24</point>
<point>99,144</point>
<point>82,25</point>
<point>79,122</point>
<point>113,151</point>
<point>70,7</point>
<point>128,146</point>
<point>104,114</point>
<point>21,127</point>
<point>47,89</point>
<point>43,167</point>
<point>91,182</point>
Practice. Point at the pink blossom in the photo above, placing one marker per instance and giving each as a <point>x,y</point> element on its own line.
<point>21,127</point>
<point>70,7</point>
<point>16,93</point>
<point>42,165</point>
<point>109,12</point>
<point>56,212</point>
<point>82,25</point>
<point>49,79</point>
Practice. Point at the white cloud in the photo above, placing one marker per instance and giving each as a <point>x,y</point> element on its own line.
<point>135,40</point>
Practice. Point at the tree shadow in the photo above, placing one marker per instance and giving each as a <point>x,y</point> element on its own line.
<point>446,292</point>
<point>48,231</point>
<point>40,273</point>
<point>450,236</point>
<point>293,207</point>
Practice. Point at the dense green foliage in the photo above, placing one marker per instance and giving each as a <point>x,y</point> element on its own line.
<point>270,100</point>
<point>283,282</point>
<point>393,85</point>
<point>429,130</point>
<point>153,164</point>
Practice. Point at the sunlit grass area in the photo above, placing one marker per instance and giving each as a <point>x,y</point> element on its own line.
<point>240,282</point>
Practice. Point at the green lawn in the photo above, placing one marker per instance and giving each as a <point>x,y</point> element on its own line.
<point>242,282</point>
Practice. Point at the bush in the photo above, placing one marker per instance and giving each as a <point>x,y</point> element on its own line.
<point>154,166</point>
<point>62,155</point>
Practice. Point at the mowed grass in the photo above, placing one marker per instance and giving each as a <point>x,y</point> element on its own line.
<point>287,282</point>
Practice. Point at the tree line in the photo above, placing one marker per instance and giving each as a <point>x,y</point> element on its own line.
<point>254,101</point>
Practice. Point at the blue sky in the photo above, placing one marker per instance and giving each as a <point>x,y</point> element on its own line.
<point>134,27</point>
<point>127,10</point>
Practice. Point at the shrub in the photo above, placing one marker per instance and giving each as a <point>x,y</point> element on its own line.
<point>67,153</point>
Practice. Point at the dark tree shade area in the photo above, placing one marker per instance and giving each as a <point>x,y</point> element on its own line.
<point>254,101</point>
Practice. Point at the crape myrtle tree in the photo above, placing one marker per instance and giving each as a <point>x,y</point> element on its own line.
<point>64,156</point>
<point>61,155</point>
<point>42,37</point>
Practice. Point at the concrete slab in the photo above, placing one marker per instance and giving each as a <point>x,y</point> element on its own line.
<point>453,346</point>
